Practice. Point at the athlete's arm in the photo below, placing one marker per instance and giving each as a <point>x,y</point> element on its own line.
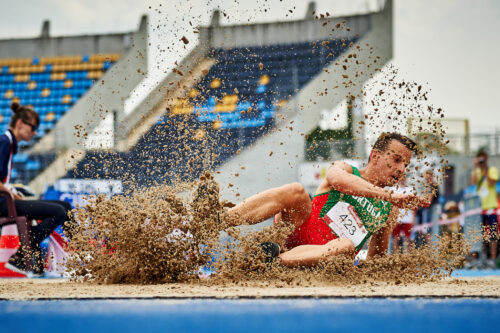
<point>380,240</point>
<point>340,177</point>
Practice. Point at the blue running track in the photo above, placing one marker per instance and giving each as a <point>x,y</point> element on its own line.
<point>253,315</point>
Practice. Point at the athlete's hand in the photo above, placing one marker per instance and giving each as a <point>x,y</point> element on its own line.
<point>425,200</point>
<point>410,201</point>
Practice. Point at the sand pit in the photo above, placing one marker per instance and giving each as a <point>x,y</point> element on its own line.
<point>36,289</point>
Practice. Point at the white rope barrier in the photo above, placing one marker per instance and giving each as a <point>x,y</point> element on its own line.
<point>476,211</point>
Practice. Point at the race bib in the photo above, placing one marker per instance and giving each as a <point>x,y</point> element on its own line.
<point>344,222</point>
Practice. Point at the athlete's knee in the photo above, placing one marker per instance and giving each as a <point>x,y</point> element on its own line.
<point>340,246</point>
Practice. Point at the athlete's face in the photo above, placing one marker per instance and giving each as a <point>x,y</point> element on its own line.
<point>392,163</point>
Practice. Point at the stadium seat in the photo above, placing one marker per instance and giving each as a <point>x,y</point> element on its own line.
<point>51,85</point>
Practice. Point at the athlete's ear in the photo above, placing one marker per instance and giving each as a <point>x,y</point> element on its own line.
<point>374,155</point>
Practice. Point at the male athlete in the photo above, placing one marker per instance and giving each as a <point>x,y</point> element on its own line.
<point>349,207</point>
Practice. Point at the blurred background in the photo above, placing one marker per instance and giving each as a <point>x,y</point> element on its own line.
<point>133,94</point>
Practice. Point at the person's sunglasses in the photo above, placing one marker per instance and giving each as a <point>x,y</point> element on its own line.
<point>33,127</point>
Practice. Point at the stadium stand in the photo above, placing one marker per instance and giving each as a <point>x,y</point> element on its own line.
<point>51,86</point>
<point>66,79</point>
<point>229,109</point>
<point>244,80</point>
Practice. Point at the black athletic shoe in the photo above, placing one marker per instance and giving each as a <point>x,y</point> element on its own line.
<point>16,264</point>
<point>271,250</point>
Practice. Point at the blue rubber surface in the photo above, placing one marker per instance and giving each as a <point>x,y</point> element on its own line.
<point>269,315</point>
<point>475,272</point>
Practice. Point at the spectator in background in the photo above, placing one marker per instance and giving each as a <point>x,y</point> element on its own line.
<point>402,231</point>
<point>451,211</point>
<point>23,126</point>
<point>485,179</point>
<point>425,214</point>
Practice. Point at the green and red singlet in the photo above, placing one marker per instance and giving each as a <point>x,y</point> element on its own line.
<point>335,214</point>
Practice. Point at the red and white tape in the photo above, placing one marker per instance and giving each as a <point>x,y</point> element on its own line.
<point>476,211</point>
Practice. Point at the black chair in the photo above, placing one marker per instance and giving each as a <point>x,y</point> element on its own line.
<point>23,228</point>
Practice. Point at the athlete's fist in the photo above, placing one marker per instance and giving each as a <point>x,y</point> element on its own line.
<point>404,200</point>
<point>425,200</point>
<point>410,201</point>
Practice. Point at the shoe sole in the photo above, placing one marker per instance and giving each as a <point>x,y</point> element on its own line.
<point>20,271</point>
<point>15,269</point>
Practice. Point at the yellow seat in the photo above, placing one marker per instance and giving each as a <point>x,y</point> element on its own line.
<point>112,57</point>
<point>228,104</point>
<point>20,62</point>
<point>58,76</point>
<point>193,93</point>
<point>281,103</point>
<point>9,93</point>
<point>199,134</point>
<point>264,80</point>
<point>36,69</point>
<point>31,85</point>
<point>46,60</point>
<point>21,77</point>
<point>45,92</point>
<point>96,58</point>
<point>182,107</point>
<point>14,69</point>
<point>94,74</point>
<point>100,58</point>
<point>215,83</point>
<point>56,68</point>
<point>89,67</point>
<point>72,67</point>
<point>50,116</point>
<point>97,66</point>
<point>66,99</point>
<point>217,124</point>
<point>76,59</point>
<point>68,83</point>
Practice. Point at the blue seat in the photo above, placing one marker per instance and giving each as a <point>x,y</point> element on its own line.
<point>32,165</point>
<point>20,158</point>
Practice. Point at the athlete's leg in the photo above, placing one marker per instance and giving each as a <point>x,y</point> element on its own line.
<point>310,255</point>
<point>290,202</point>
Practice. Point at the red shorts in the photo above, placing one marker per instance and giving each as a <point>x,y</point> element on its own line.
<point>314,231</point>
<point>402,228</point>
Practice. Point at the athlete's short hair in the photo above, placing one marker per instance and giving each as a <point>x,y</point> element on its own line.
<point>385,138</point>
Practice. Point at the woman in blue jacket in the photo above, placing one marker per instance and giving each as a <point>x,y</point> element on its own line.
<point>23,126</point>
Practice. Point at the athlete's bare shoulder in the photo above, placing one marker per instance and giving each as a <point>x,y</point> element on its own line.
<point>341,166</point>
<point>338,168</point>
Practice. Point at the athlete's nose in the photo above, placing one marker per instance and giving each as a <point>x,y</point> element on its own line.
<point>401,169</point>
